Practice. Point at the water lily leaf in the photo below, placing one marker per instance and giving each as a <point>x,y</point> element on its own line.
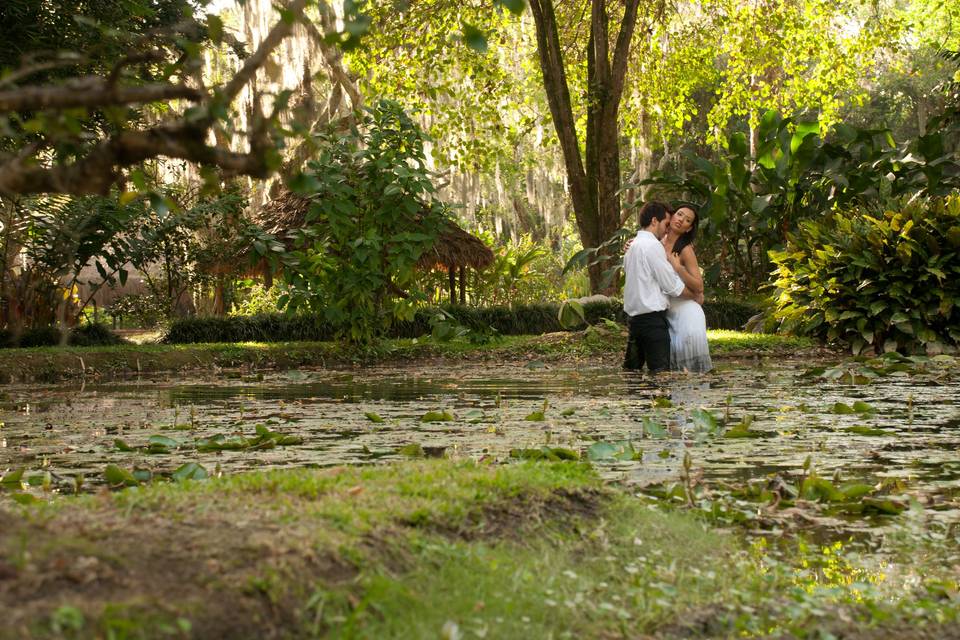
<point>12,479</point>
<point>121,445</point>
<point>705,421</point>
<point>25,498</point>
<point>842,409</point>
<point>652,429</point>
<point>883,506</point>
<point>816,488</point>
<point>437,416</point>
<point>663,403</point>
<point>117,477</point>
<point>568,412</point>
<point>473,414</point>
<point>664,453</point>
<point>143,475</point>
<point>413,450</point>
<point>536,416</point>
<point>855,490</point>
<point>743,430</point>
<point>862,407</point>
<point>601,451</point>
<point>373,417</point>
<point>861,430</point>
<point>622,450</point>
<point>162,441</point>
<point>190,471</point>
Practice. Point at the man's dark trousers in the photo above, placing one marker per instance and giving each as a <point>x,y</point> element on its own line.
<point>648,342</point>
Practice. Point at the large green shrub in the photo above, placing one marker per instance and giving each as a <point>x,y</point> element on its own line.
<point>373,213</point>
<point>886,281</point>
<point>85,335</point>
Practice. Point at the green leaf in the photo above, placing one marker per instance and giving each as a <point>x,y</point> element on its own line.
<point>413,450</point>
<point>437,416</point>
<point>163,441</point>
<point>704,420</point>
<point>121,445</point>
<point>653,429</point>
<point>855,490</point>
<point>536,416</point>
<point>474,38</point>
<point>842,409</point>
<point>190,471</point>
<point>515,7</point>
<point>622,450</point>
<point>862,407</point>
<point>12,479</point>
<point>883,506</point>
<point>117,477</point>
<point>373,417</point>
<point>861,430</point>
<point>215,28</point>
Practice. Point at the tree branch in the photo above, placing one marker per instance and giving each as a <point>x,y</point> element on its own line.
<point>621,54</point>
<point>99,170</point>
<point>91,91</point>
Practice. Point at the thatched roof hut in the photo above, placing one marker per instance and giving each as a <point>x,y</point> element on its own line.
<point>455,249</point>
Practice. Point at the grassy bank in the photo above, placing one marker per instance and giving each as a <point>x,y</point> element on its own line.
<point>50,364</point>
<point>434,549</point>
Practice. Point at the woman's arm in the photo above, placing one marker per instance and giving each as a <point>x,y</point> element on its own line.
<point>687,268</point>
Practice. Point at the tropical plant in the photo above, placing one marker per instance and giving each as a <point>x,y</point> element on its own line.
<point>372,215</point>
<point>751,204</point>
<point>887,280</point>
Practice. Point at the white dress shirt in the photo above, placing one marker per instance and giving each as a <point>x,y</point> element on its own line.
<point>649,277</point>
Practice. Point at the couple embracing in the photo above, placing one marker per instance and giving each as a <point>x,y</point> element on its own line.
<point>663,294</point>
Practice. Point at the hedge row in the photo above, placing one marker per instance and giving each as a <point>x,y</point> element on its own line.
<point>87,335</point>
<point>522,320</point>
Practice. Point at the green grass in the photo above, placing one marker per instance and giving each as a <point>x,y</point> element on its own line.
<point>425,549</point>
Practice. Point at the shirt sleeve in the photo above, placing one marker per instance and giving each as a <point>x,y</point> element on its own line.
<point>664,274</point>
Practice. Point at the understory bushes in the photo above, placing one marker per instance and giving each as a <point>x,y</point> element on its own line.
<point>885,280</point>
<point>520,320</point>
<point>87,335</point>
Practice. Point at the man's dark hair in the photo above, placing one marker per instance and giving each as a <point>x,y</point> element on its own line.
<point>651,211</point>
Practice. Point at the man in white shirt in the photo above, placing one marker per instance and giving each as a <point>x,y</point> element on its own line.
<point>650,281</point>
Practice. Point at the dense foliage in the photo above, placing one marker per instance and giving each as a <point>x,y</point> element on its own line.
<point>87,335</point>
<point>372,216</point>
<point>750,203</point>
<point>883,280</point>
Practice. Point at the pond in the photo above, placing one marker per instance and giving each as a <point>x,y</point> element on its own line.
<point>900,430</point>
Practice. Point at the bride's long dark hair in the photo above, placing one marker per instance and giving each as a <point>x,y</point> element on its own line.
<point>691,233</point>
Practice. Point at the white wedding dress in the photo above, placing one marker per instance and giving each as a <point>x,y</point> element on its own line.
<point>688,337</point>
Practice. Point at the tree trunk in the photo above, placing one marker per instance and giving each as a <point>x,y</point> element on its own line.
<point>594,180</point>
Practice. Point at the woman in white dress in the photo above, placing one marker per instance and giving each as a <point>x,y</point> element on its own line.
<point>688,326</point>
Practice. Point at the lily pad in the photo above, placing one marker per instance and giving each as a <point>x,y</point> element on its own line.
<point>190,471</point>
<point>437,416</point>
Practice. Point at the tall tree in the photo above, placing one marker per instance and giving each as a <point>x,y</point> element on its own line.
<point>593,173</point>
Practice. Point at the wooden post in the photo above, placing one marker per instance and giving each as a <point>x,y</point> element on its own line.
<point>463,285</point>
<point>453,284</point>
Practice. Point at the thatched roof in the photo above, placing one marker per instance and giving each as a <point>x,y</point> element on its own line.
<point>454,246</point>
